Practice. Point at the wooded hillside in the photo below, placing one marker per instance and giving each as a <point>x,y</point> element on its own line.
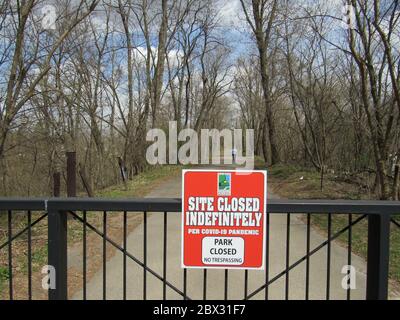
<point>317,81</point>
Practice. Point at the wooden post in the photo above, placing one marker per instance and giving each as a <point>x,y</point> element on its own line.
<point>71,174</point>
<point>56,184</point>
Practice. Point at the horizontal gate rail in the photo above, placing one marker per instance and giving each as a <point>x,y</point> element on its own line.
<point>133,205</point>
<point>175,205</point>
<point>380,216</point>
<point>23,204</point>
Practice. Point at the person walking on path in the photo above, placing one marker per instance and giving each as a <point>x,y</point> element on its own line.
<point>234,153</point>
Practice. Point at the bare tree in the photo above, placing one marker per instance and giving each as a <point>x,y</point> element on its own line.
<point>262,20</point>
<point>18,90</point>
<point>379,110</point>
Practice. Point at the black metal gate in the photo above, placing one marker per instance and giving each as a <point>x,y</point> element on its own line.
<point>378,213</point>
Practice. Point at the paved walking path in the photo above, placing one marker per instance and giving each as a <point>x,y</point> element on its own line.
<point>215,278</point>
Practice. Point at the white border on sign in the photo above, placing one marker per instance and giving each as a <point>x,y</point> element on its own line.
<point>265,174</point>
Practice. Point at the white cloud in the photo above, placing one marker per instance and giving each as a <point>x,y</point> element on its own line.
<point>231,13</point>
<point>140,55</point>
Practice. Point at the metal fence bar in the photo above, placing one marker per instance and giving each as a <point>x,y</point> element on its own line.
<point>337,206</point>
<point>125,246</point>
<point>349,248</point>
<point>205,284</point>
<point>226,284</point>
<point>274,206</point>
<point>22,204</point>
<point>174,205</point>
<point>287,256</point>
<point>267,239</point>
<point>144,255</point>
<point>378,257</point>
<point>84,249</point>
<point>29,255</point>
<point>308,246</point>
<point>10,260</point>
<point>156,205</point>
<point>104,255</point>
<point>328,258</point>
<point>165,256</point>
<point>246,279</point>
<point>185,284</point>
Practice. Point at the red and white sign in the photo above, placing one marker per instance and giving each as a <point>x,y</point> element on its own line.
<point>223,219</point>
